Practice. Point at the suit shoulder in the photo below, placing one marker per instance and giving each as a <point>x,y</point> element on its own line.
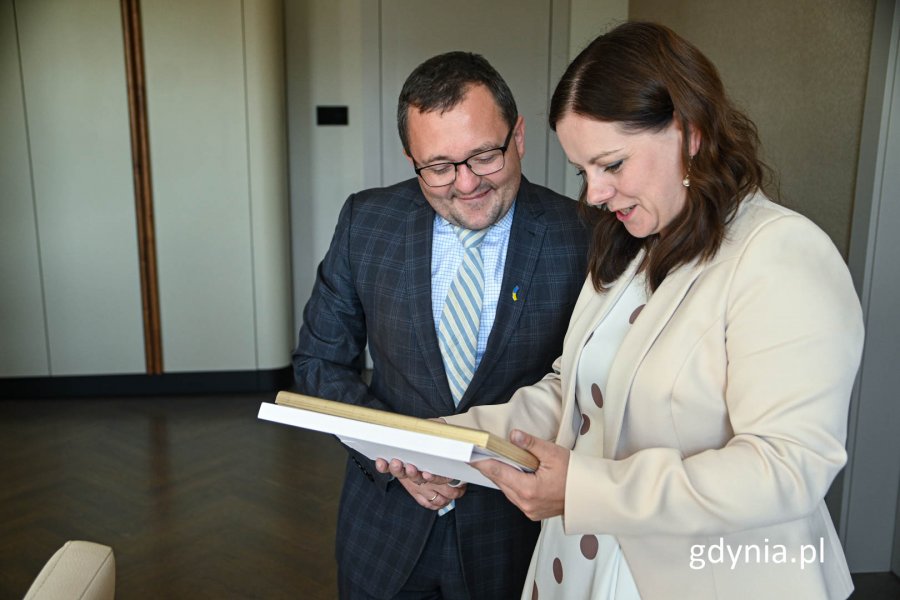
<point>549,199</point>
<point>554,207</point>
<point>397,196</point>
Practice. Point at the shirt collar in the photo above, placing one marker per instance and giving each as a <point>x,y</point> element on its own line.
<point>501,227</point>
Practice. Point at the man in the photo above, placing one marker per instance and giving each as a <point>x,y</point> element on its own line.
<point>462,281</point>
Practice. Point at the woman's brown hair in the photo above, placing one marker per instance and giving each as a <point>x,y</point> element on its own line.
<point>641,76</point>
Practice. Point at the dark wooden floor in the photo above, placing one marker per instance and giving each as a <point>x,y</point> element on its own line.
<point>197,497</point>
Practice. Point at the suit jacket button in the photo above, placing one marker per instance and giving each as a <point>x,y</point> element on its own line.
<point>364,470</point>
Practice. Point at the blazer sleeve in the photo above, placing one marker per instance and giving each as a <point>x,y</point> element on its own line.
<point>793,341</point>
<point>328,359</point>
<point>535,409</point>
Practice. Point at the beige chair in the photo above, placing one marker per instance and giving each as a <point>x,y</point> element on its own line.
<point>78,570</point>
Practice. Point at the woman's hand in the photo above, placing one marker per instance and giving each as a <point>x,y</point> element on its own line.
<point>541,494</point>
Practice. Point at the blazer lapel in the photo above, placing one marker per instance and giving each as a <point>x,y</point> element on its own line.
<point>526,237</point>
<point>590,310</point>
<point>419,233</point>
<point>638,341</point>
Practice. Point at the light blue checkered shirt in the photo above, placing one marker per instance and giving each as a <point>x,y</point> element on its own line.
<point>446,256</point>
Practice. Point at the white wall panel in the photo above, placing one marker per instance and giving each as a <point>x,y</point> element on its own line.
<point>77,110</point>
<point>324,67</point>
<point>267,143</point>
<point>513,35</point>
<point>198,144</point>
<point>587,20</point>
<point>23,337</point>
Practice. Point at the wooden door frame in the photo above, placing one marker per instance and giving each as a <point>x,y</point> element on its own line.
<point>143,185</point>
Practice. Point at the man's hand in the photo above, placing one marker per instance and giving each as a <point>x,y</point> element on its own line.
<point>401,470</point>
<point>430,491</point>
<point>432,496</point>
<point>541,494</point>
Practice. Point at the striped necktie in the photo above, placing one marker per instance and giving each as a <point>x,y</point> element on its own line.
<point>458,332</point>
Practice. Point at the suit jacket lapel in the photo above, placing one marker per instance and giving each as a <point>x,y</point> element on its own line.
<point>526,237</point>
<point>419,233</point>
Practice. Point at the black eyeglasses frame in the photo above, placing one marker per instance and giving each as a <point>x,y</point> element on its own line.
<point>457,165</point>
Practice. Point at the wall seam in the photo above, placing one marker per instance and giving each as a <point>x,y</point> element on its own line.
<point>254,290</point>
<point>381,121</point>
<point>547,158</point>
<point>37,228</point>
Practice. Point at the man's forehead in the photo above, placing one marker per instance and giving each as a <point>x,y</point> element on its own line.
<point>446,104</point>
<point>478,113</point>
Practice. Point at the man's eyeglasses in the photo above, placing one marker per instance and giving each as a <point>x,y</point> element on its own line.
<point>482,163</point>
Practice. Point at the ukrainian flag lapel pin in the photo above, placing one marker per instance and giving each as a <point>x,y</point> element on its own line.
<point>515,294</point>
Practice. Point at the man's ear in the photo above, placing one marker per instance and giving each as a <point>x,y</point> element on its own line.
<point>519,135</point>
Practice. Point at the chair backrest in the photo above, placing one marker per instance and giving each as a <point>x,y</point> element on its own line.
<point>77,570</point>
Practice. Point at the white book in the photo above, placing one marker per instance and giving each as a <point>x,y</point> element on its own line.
<point>430,445</point>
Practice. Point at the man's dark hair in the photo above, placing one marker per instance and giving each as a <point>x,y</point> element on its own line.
<point>441,82</point>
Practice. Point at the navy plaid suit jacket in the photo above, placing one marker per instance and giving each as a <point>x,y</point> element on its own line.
<point>374,286</point>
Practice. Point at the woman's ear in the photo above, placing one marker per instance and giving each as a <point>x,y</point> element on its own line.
<point>687,128</point>
<point>694,140</point>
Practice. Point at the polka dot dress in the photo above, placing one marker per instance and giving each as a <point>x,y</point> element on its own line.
<point>589,566</point>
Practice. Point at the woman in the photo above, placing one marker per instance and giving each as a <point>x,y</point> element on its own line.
<point>698,411</point>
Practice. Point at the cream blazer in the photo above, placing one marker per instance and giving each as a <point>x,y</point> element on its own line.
<point>724,418</point>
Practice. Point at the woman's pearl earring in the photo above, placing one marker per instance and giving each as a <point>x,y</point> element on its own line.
<point>686,182</point>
